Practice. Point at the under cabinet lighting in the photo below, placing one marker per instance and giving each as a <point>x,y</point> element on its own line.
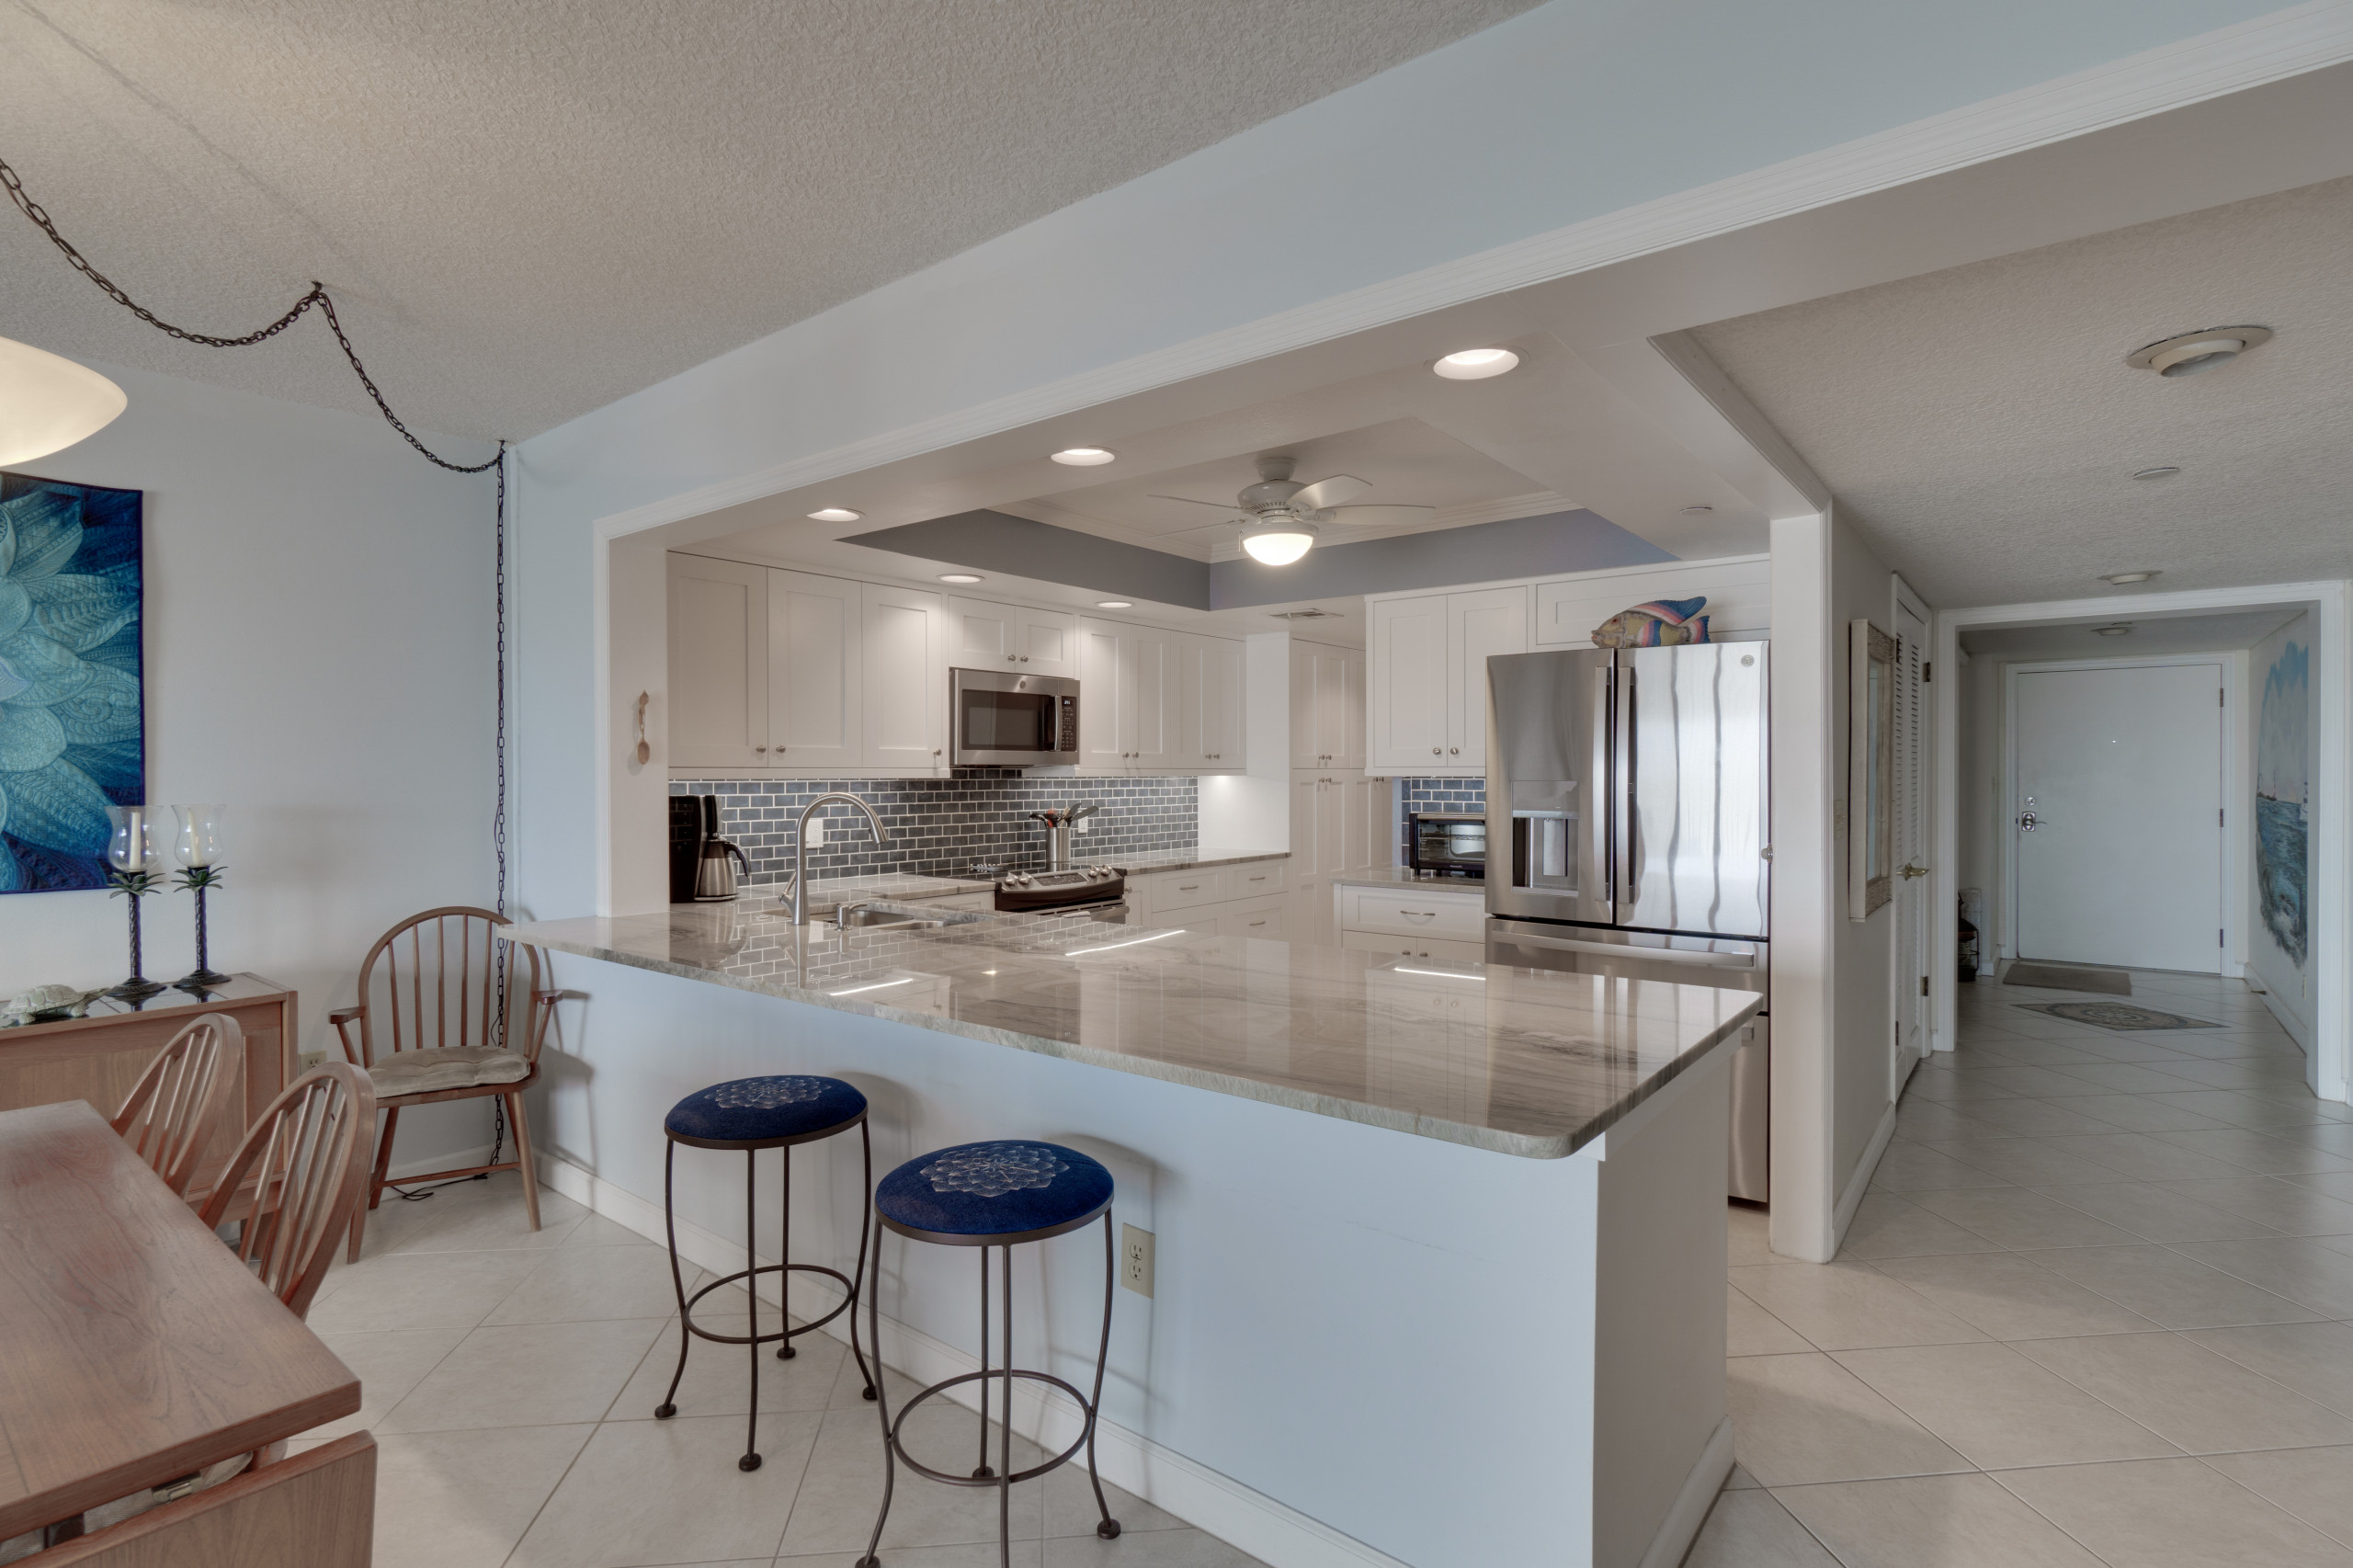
<point>1476,364</point>
<point>835,514</point>
<point>1084,457</point>
<point>1081,952</point>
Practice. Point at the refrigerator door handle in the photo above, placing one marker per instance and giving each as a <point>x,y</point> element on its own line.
<point>1626,950</point>
<point>1601,877</point>
<point>1621,792</point>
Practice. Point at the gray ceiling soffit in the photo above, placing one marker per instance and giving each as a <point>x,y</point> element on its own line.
<point>992,541</point>
<point>1548,546</point>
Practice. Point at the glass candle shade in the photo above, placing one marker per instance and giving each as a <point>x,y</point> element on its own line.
<point>132,847</point>
<point>198,843</point>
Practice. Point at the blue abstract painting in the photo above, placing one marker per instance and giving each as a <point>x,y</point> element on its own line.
<point>2281,789</point>
<point>72,719</point>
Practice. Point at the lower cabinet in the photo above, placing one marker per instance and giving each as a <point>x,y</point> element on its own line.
<point>1244,899</point>
<point>1412,921</point>
<point>1410,948</point>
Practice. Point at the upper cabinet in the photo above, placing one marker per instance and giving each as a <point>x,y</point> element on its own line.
<point>1738,590</point>
<point>1426,697</point>
<point>816,672</point>
<point>776,670</point>
<point>983,636</point>
<point>719,663</point>
<point>906,678</point>
<point>1327,706</point>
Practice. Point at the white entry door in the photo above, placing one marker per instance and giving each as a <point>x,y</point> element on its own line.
<point>2117,815</point>
<point>1912,839</point>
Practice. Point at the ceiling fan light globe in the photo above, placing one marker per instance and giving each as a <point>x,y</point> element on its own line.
<point>1278,544</point>
<point>48,402</point>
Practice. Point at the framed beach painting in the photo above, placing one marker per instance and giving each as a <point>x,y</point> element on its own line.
<point>72,738</point>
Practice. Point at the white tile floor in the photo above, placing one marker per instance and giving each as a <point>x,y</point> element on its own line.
<point>510,1378</point>
<point>2094,1311</point>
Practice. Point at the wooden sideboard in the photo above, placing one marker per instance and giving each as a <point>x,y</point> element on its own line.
<point>98,1058</point>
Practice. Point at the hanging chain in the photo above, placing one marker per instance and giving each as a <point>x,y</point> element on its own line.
<point>318,296</point>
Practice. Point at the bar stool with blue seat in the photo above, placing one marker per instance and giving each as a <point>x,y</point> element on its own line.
<point>752,1114</point>
<point>994,1194</point>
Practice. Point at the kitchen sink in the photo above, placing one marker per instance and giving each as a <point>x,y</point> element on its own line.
<point>887,917</point>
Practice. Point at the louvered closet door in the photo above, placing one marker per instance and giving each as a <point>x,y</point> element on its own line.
<point>1911,833</point>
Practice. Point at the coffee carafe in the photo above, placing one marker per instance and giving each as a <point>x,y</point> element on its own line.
<point>715,877</point>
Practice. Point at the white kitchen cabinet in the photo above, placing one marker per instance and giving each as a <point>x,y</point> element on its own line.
<point>1132,711</point>
<point>1339,827</point>
<point>985,636</point>
<point>719,663</point>
<point>1427,676</point>
<point>1328,712</point>
<point>1415,909</point>
<point>1206,732</point>
<point>1151,656</point>
<point>1105,727</point>
<point>905,678</point>
<point>1243,900</point>
<point>817,659</point>
<point>1267,922</point>
<point>1433,948</point>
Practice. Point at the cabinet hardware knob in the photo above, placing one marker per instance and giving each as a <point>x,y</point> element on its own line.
<point>1433,751</point>
<point>1453,751</point>
<point>1008,658</point>
<point>935,751</point>
<point>1025,658</point>
<point>759,748</point>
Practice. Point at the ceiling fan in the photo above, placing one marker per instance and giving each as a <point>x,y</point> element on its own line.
<point>1279,517</point>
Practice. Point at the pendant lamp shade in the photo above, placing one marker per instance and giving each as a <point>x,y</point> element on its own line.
<point>48,402</point>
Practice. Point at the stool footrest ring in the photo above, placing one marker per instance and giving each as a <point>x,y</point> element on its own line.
<point>900,1448</point>
<point>701,1332</point>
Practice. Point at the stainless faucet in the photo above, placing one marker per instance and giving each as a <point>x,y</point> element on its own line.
<point>800,848</point>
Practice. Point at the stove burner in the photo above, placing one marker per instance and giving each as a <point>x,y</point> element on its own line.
<point>1056,889</point>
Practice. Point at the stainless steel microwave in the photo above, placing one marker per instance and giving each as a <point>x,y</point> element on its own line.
<point>1002,720</point>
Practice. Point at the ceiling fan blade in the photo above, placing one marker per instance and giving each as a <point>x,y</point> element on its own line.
<point>1365,517</point>
<point>1221,505</point>
<point>1335,490</point>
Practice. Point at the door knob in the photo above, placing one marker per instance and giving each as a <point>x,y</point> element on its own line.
<point>1911,871</point>
<point>2029,822</point>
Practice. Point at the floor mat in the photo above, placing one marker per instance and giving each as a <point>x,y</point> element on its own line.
<point>2116,1016</point>
<point>2067,977</point>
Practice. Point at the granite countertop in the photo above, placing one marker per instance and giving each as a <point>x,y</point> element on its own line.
<point>1186,859</point>
<point>827,892</point>
<point>1405,877</point>
<point>1531,1062</point>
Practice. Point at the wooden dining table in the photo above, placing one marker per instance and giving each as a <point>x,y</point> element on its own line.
<point>134,1349</point>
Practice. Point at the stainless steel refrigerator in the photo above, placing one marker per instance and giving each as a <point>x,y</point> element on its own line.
<point>1627,831</point>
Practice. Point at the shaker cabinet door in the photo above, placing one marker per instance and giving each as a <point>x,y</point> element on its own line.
<point>1478,625</point>
<point>1408,686</point>
<point>905,679</point>
<point>718,691</point>
<point>816,694</point>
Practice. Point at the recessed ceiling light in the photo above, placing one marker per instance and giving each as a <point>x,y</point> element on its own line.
<point>2188,352</point>
<point>1476,364</point>
<point>836,515</point>
<point>2163,471</point>
<point>2121,629</point>
<point>959,576</point>
<point>2122,577</point>
<point>1697,511</point>
<point>1115,604</point>
<point>1084,457</point>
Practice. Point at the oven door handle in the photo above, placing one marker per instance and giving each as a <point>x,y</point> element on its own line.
<point>1622,951</point>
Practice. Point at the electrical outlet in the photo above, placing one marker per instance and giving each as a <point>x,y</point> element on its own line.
<point>1084,824</point>
<point>816,832</point>
<point>1135,1259</point>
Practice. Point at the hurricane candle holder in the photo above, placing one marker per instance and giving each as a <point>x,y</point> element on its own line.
<point>197,848</point>
<point>131,857</point>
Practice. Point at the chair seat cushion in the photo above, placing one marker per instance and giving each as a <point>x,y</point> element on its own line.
<point>459,1067</point>
<point>1001,1188</point>
<point>761,1111</point>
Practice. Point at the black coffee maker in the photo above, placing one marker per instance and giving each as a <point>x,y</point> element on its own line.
<point>694,840</point>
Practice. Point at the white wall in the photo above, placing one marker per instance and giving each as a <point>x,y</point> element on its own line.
<point>318,655</point>
<point>1861,588</point>
<point>2286,981</point>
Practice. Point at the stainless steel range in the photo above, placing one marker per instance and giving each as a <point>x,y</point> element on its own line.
<point>1098,892</point>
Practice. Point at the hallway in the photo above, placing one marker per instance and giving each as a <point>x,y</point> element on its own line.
<point>2091,1312</point>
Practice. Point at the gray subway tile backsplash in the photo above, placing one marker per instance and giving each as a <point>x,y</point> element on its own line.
<point>942,826</point>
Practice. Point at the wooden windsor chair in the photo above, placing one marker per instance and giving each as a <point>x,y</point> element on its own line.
<point>447,1011</point>
<point>306,1166</point>
<point>172,1112</point>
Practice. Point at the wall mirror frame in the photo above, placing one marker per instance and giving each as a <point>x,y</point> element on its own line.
<point>1871,769</point>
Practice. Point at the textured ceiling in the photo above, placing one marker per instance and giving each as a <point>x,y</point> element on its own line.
<point>2149,636</point>
<point>1980,426</point>
<point>532,207</point>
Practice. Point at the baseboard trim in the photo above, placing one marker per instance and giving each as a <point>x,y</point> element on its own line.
<point>1247,1520</point>
<point>1860,1182</point>
<point>1681,1526</point>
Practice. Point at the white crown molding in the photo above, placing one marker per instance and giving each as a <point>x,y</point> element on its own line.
<point>2249,54</point>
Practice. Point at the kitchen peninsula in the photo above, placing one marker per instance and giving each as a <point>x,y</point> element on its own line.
<point>1439,1245</point>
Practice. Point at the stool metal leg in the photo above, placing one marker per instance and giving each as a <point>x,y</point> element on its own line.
<point>882,1405</point>
<point>858,1274</point>
<point>784,1350</point>
<point>982,1471</point>
<point>1004,1431</point>
<point>669,1407</point>
<point>1107,1528</point>
<point>751,1460</point>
